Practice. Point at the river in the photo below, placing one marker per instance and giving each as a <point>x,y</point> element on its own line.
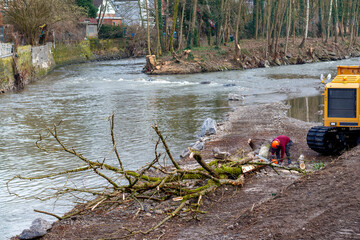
<point>83,96</point>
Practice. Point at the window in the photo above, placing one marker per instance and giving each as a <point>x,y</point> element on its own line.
<point>342,103</point>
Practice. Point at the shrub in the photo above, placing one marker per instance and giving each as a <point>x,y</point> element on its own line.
<point>109,31</point>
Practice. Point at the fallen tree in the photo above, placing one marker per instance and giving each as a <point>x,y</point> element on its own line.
<point>153,182</point>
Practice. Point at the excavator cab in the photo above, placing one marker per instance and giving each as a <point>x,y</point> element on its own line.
<point>341,129</point>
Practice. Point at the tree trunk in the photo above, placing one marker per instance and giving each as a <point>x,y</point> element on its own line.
<point>353,22</point>
<point>307,24</point>
<point>274,27</point>
<point>225,26</point>
<point>320,26</point>
<point>176,7</point>
<point>166,24</point>
<point>336,27</point>
<point>268,33</point>
<point>282,15</point>
<point>288,26</point>
<point>329,22</point>
<point>148,27</point>
<point>158,44</point>
<point>183,5</point>
<point>219,24</point>
<point>192,27</point>
<point>236,40</point>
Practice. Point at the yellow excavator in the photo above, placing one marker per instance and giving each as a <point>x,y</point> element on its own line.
<point>341,129</point>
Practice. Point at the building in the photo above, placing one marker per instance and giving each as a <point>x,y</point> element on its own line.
<point>129,11</point>
<point>89,27</point>
<point>111,16</point>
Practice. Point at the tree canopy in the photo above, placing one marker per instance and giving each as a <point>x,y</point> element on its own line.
<point>89,7</point>
<point>30,17</point>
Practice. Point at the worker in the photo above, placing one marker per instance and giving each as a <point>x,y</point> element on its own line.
<point>279,146</point>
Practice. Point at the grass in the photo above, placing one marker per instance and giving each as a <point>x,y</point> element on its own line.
<point>318,166</point>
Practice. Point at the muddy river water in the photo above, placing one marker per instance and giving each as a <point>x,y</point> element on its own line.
<point>83,96</point>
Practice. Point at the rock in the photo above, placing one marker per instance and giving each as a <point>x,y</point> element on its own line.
<point>208,127</point>
<point>230,227</point>
<point>355,54</point>
<point>277,62</point>
<point>158,211</point>
<point>205,82</point>
<point>220,155</point>
<point>334,58</point>
<point>300,60</point>
<point>235,97</point>
<point>38,229</point>
<point>229,85</point>
<point>185,153</point>
<point>293,61</point>
<point>264,63</point>
<point>198,146</point>
<point>285,61</point>
<point>264,151</point>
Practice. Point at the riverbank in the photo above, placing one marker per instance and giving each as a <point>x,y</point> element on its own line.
<point>231,211</point>
<point>31,63</point>
<point>210,59</point>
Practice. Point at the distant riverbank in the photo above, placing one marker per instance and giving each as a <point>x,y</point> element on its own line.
<point>210,59</point>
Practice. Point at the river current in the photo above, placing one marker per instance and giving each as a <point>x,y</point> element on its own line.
<point>81,97</point>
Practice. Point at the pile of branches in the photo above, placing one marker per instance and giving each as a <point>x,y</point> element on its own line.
<point>153,181</point>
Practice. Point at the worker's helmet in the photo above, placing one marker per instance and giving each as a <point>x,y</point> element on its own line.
<point>275,144</point>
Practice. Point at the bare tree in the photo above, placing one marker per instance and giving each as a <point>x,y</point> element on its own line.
<point>30,16</point>
<point>102,13</point>
<point>140,12</point>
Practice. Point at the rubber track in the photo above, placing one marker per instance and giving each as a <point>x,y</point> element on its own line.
<point>316,139</point>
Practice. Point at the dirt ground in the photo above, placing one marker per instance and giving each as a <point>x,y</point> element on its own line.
<point>322,204</point>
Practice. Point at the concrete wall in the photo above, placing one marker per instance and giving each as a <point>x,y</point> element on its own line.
<point>32,62</point>
<point>6,74</point>
<point>42,57</point>
<point>5,49</point>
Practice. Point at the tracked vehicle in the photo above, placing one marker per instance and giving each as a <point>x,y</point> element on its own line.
<point>341,129</point>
